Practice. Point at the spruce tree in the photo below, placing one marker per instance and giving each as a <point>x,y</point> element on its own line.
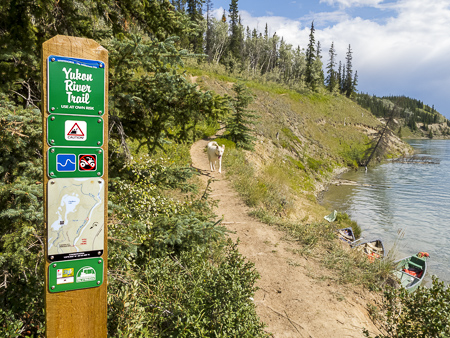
<point>331,80</point>
<point>194,11</point>
<point>355,81</point>
<point>348,83</point>
<point>339,77</point>
<point>208,37</point>
<point>310,57</point>
<point>235,36</point>
<point>321,76</point>
<point>21,221</point>
<point>239,124</point>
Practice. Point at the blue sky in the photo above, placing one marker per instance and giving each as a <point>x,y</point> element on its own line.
<point>400,47</point>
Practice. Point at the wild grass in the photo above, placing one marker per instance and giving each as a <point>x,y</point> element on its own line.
<point>352,267</point>
<point>225,142</point>
<point>267,191</point>
<point>319,240</point>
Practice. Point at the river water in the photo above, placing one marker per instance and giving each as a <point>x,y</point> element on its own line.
<point>406,205</point>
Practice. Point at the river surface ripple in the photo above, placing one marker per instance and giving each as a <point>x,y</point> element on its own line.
<point>408,198</point>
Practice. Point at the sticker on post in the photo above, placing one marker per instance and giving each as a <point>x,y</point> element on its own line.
<point>87,162</point>
<point>86,274</point>
<point>75,130</point>
<point>64,276</point>
<point>65,162</point>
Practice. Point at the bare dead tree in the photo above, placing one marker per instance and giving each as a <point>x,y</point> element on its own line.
<point>382,134</point>
<point>115,123</point>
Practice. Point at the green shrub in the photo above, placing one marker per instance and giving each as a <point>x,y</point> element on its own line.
<point>297,163</point>
<point>187,296</point>
<point>290,135</point>
<point>208,129</point>
<point>354,155</point>
<point>172,274</point>
<point>21,222</point>
<point>424,313</point>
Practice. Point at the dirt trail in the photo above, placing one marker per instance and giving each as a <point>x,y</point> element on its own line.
<point>290,301</point>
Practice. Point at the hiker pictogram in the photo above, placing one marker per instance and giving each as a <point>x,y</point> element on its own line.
<point>87,162</point>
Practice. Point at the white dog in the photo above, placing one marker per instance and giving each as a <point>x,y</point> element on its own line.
<point>215,153</point>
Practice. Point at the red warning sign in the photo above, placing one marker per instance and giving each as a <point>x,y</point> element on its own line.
<point>87,162</point>
<point>75,130</point>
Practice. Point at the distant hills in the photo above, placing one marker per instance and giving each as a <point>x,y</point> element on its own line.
<point>421,119</point>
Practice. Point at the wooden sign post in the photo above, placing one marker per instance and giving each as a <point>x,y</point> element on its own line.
<point>75,135</point>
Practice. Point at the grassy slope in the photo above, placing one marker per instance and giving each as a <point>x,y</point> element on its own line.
<point>303,140</point>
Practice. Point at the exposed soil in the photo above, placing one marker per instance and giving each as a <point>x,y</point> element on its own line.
<point>293,300</point>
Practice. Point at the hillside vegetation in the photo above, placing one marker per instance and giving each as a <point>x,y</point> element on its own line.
<point>171,269</point>
<point>412,118</point>
<point>303,140</point>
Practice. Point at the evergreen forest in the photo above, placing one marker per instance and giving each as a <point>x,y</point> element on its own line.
<point>172,271</point>
<point>411,111</point>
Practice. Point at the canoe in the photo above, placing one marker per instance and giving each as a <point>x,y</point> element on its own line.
<point>346,235</point>
<point>411,270</point>
<point>372,248</point>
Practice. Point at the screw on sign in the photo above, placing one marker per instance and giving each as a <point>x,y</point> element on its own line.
<point>87,162</point>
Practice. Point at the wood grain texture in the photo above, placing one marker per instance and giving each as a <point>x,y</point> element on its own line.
<point>79,313</point>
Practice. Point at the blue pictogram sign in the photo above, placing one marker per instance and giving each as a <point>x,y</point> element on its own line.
<point>65,162</point>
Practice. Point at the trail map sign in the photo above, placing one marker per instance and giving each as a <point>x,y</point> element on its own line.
<point>75,141</point>
<point>75,218</point>
<point>75,86</point>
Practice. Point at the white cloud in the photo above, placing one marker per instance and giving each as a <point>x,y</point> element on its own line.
<point>287,28</point>
<point>405,54</point>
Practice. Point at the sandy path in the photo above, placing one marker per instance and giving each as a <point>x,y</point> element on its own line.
<point>289,301</point>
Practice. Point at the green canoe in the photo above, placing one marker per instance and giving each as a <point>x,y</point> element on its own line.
<point>411,271</point>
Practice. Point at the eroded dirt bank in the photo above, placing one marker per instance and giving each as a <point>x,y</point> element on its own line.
<point>292,298</point>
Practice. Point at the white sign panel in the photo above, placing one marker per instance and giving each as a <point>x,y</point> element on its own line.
<point>75,130</point>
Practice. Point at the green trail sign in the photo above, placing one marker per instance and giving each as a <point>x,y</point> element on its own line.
<point>75,275</point>
<point>75,86</point>
<point>74,131</point>
<point>74,162</point>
